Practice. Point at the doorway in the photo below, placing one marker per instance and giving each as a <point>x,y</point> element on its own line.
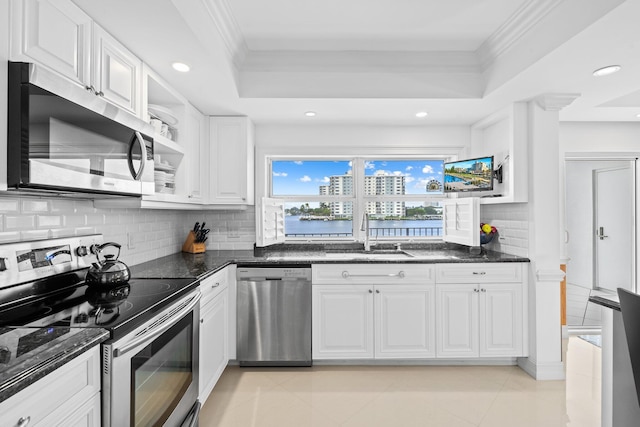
<point>600,224</point>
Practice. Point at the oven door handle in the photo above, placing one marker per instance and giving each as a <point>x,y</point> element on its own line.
<point>159,329</point>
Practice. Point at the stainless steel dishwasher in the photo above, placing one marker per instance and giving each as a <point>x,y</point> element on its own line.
<point>274,316</point>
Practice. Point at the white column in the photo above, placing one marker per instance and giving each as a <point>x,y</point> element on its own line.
<point>545,331</point>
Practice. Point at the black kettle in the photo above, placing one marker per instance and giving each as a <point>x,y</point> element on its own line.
<point>108,270</point>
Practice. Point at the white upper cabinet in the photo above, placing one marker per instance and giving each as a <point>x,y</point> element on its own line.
<point>60,36</point>
<point>116,72</point>
<point>195,130</point>
<point>54,33</point>
<point>232,161</point>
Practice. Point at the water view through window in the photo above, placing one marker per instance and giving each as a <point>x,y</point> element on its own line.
<point>320,197</point>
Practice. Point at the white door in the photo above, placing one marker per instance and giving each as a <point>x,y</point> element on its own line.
<point>342,321</point>
<point>457,320</point>
<point>405,321</point>
<point>614,227</point>
<point>500,320</point>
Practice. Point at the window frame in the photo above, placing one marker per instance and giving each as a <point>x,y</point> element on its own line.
<point>358,198</point>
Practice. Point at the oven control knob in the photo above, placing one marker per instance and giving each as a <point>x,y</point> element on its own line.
<point>82,251</point>
<point>3,264</point>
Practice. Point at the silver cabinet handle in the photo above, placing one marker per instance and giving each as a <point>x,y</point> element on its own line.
<point>400,274</point>
<point>377,291</point>
<point>479,273</point>
<point>476,290</point>
<point>483,290</point>
<point>23,422</point>
<point>370,291</point>
<point>216,285</point>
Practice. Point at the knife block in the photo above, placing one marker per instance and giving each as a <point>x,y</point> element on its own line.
<point>191,246</point>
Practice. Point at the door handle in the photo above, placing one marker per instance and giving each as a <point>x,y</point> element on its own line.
<point>601,233</point>
<point>137,137</point>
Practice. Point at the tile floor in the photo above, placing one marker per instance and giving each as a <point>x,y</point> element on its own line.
<point>443,396</point>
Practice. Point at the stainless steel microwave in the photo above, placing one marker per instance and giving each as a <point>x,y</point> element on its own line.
<point>64,139</point>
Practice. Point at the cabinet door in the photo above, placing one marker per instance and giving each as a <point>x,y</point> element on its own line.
<point>457,320</point>
<point>87,415</point>
<point>213,343</point>
<point>501,320</point>
<point>194,128</point>
<point>51,400</point>
<point>232,158</point>
<point>342,322</point>
<point>117,72</point>
<point>404,321</point>
<point>53,33</point>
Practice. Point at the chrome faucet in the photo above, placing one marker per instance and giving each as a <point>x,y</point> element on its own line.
<point>365,227</point>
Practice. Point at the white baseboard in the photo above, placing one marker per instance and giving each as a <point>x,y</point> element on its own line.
<point>542,371</point>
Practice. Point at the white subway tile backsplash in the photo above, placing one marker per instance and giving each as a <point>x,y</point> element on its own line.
<point>10,236</point>
<point>9,206</point>
<point>95,219</point>
<point>35,206</point>
<point>74,220</point>
<point>34,235</point>
<point>155,233</point>
<point>49,221</point>
<point>62,232</point>
<point>19,222</point>
<point>66,206</point>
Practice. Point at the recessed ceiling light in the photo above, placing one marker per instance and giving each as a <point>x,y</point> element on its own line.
<point>179,66</point>
<point>310,114</point>
<point>604,71</point>
<point>422,114</point>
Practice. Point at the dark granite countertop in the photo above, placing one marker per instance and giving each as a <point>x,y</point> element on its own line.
<point>612,302</point>
<point>185,265</point>
<point>28,354</point>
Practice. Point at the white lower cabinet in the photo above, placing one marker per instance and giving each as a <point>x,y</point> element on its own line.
<point>69,396</point>
<point>373,321</point>
<point>214,331</point>
<point>404,321</point>
<point>342,322</point>
<point>403,313</point>
<point>481,319</point>
<point>381,311</point>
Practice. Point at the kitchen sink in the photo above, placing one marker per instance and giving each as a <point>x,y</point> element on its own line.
<point>379,254</point>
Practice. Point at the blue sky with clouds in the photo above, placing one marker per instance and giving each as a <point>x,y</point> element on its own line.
<point>304,178</point>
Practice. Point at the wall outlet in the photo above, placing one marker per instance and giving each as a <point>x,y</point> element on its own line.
<point>131,241</point>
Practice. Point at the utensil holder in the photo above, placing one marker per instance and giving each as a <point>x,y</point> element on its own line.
<point>191,246</point>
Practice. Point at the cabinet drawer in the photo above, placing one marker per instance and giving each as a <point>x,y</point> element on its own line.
<point>213,285</point>
<point>479,273</point>
<point>339,274</point>
<point>54,397</point>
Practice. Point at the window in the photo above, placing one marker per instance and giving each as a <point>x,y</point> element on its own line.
<point>323,196</point>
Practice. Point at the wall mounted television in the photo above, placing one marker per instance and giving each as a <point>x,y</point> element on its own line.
<point>469,175</point>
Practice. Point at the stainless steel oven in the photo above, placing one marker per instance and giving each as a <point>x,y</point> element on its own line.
<point>150,361</point>
<point>150,376</point>
<point>62,138</point>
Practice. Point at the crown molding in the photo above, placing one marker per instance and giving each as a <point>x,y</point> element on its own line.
<point>513,29</point>
<point>555,101</point>
<point>228,27</point>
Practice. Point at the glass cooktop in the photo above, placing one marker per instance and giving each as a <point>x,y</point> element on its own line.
<point>116,308</point>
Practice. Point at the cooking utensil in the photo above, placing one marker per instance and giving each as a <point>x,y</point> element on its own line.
<point>107,271</point>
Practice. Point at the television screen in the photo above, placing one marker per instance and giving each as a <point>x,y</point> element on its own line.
<point>469,175</point>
